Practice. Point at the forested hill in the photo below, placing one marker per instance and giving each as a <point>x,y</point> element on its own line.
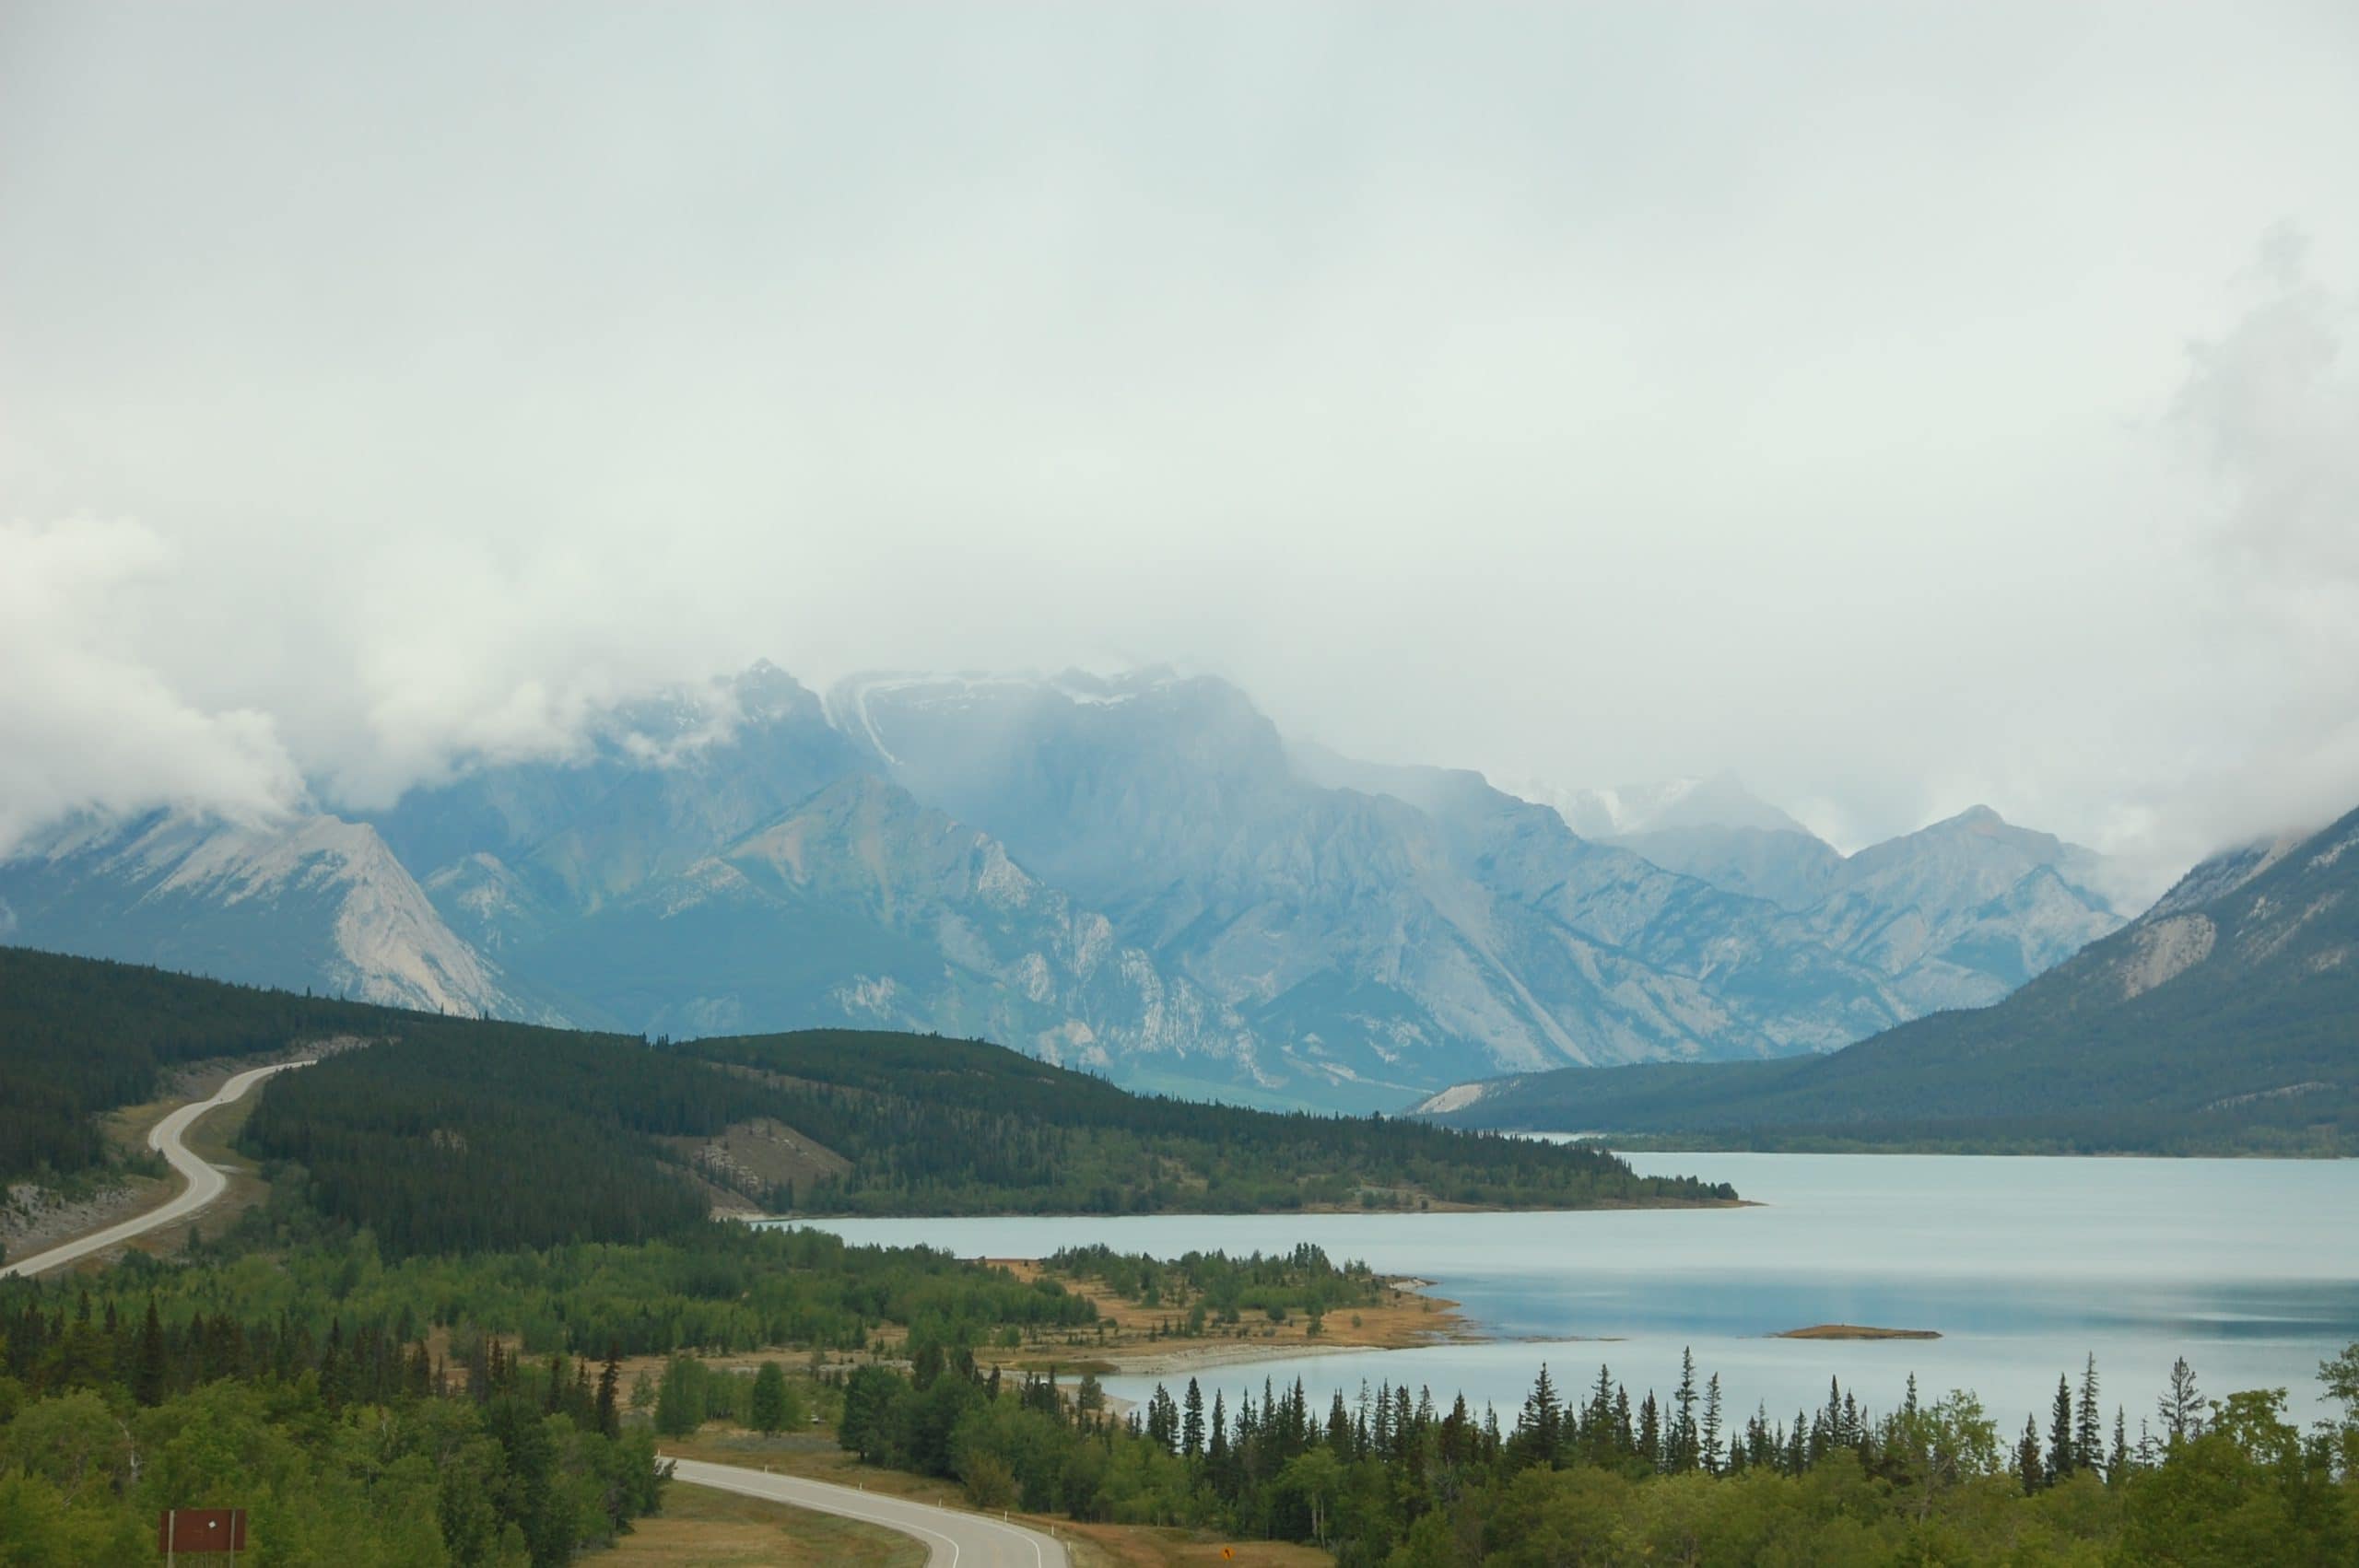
<point>949,1127</point>
<point>2224,1020</point>
<point>82,1036</point>
<point>459,1134</point>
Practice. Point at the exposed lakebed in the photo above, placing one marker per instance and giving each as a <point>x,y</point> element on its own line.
<point>2023,1266</point>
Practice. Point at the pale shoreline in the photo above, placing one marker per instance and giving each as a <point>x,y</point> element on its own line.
<point>1205,1357</point>
<point>1436,1321</point>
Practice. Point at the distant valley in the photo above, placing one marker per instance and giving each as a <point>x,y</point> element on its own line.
<point>2225,1019</point>
<point>1139,876</point>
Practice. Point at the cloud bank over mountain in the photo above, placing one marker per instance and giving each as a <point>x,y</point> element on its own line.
<point>1519,390</point>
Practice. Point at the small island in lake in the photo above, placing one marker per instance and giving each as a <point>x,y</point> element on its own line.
<point>1854,1331</point>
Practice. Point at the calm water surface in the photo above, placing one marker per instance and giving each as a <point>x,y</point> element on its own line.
<point>2247,1268</point>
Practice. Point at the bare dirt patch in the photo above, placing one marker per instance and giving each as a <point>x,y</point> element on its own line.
<point>753,1159</point>
<point>35,1219</point>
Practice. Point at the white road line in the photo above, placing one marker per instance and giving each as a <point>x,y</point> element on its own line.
<point>204,1183</point>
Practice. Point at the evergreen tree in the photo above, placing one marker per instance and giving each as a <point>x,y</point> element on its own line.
<point>1683,1429</point>
<point>2028,1468</point>
<point>2062,1455</point>
<point>1540,1430</point>
<point>2181,1406</point>
<point>2088,1422</point>
<point>1192,1422</point>
<point>610,1419</point>
<point>1597,1441</point>
<point>767,1407</point>
<point>153,1365</point>
<point>1712,1423</point>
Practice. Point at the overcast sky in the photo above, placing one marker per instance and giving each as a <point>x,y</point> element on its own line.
<point>1905,406</point>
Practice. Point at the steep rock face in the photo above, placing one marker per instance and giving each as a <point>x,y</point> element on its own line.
<point>657,785</point>
<point>1961,913</point>
<point>1789,868</point>
<point>1387,920</point>
<point>1955,914</point>
<point>860,906</point>
<point>313,900</point>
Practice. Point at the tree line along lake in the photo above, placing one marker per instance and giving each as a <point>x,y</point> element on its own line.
<point>2024,1267</point>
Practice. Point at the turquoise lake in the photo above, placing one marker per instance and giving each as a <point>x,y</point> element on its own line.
<point>2247,1268</point>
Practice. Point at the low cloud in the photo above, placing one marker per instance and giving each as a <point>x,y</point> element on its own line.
<point>84,722</point>
<point>1587,393</point>
<point>2271,406</point>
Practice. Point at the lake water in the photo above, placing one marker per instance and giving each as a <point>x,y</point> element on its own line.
<point>2247,1268</point>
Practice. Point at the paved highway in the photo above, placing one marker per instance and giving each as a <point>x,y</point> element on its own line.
<point>953,1540</point>
<point>204,1183</point>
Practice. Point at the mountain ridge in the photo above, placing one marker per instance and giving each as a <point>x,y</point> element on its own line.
<point>1208,907</point>
<point>2226,1017</point>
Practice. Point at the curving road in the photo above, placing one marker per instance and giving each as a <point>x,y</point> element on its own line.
<point>204,1183</point>
<point>953,1540</point>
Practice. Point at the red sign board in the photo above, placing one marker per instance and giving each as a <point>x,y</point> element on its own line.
<point>201,1529</point>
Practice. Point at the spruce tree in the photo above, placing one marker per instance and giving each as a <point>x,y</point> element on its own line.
<point>1596,1426</point>
<point>2181,1406</point>
<point>610,1375</point>
<point>1683,1427</point>
<point>2028,1468</point>
<point>147,1379</point>
<point>1712,1423</point>
<point>1541,1430</point>
<point>2088,1428</point>
<point>2061,1453</point>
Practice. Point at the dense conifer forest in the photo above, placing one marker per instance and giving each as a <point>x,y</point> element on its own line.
<point>451,1133</point>
<point>956,1127</point>
<point>1600,1476</point>
<point>82,1036</point>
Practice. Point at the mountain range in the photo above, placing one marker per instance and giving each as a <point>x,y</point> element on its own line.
<point>1138,875</point>
<point>2224,1017</point>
